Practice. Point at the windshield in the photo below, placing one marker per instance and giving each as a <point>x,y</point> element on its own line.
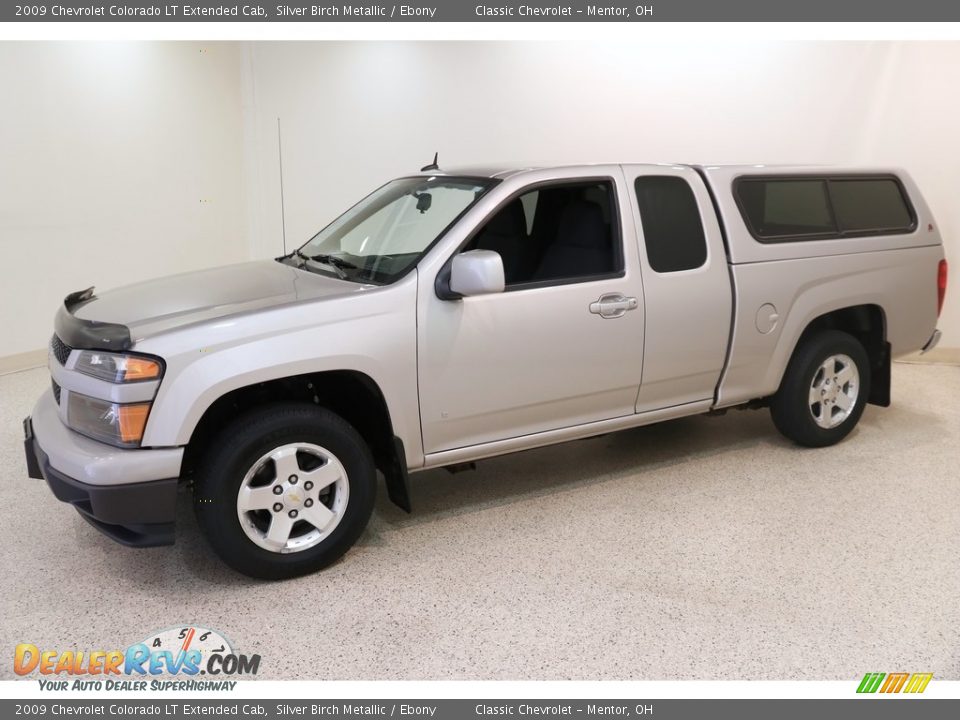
<point>387,232</point>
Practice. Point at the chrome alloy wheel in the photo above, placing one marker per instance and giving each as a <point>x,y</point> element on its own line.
<point>293,497</point>
<point>834,391</point>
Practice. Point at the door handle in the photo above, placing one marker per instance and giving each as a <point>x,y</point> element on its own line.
<point>613,305</point>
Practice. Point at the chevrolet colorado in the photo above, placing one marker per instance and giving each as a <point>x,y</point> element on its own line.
<point>453,316</point>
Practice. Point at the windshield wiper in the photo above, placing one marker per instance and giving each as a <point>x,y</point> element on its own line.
<point>334,260</point>
<point>337,263</point>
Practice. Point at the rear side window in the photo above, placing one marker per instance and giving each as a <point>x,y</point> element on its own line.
<point>672,230</point>
<point>785,208</point>
<point>863,205</point>
<point>813,208</point>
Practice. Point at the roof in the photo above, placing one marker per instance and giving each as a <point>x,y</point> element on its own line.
<point>485,171</point>
<point>716,170</point>
<point>504,170</point>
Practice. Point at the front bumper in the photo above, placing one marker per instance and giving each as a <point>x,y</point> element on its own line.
<point>139,513</point>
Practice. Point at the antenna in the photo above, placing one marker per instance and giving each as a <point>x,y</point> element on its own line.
<point>431,166</point>
<point>283,217</point>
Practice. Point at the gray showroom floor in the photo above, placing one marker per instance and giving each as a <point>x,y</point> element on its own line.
<point>703,548</point>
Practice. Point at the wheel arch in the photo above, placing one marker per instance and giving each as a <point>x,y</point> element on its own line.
<point>868,324</point>
<point>351,394</point>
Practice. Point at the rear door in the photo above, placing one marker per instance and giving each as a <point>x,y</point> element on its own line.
<point>686,281</point>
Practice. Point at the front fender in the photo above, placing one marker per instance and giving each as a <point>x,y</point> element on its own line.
<point>374,334</point>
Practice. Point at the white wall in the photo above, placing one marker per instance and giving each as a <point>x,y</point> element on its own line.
<point>125,161</point>
<point>913,123</point>
<point>356,114</point>
<point>118,162</point>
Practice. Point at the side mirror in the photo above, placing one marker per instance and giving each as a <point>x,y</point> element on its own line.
<point>478,272</point>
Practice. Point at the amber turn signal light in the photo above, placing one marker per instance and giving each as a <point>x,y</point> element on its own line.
<point>138,368</point>
<point>132,420</point>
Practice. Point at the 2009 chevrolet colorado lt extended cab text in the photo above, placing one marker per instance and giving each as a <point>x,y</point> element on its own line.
<point>453,316</point>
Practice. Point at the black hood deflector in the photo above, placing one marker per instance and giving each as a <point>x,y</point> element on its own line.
<point>89,334</point>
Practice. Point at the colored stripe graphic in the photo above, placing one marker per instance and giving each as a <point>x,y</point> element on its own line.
<point>870,682</point>
<point>894,682</point>
<point>918,682</point>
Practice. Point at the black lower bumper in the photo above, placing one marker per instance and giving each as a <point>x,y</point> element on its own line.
<point>138,514</point>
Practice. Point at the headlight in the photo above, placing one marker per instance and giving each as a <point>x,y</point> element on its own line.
<point>110,422</point>
<point>118,368</point>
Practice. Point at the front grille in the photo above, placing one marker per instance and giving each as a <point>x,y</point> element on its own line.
<point>56,391</point>
<point>61,351</point>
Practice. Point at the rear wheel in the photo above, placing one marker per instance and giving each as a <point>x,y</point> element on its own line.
<point>824,390</point>
<point>285,491</point>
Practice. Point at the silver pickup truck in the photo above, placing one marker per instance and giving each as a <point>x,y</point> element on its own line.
<point>453,316</point>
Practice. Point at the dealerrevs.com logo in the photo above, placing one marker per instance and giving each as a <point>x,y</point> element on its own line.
<point>895,682</point>
<point>180,651</point>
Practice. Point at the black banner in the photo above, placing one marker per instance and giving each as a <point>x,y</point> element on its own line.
<point>873,708</point>
<point>491,11</point>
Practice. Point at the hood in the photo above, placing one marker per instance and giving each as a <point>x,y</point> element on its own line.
<point>172,302</point>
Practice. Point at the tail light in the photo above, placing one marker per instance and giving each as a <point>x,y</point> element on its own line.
<point>941,285</point>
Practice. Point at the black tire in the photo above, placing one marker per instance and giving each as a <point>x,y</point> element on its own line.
<point>790,407</point>
<point>239,447</point>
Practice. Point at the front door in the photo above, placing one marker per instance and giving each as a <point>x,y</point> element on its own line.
<point>563,344</point>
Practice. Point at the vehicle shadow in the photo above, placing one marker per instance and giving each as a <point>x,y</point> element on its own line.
<point>438,494</point>
<point>640,453</point>
<point>559,468</point>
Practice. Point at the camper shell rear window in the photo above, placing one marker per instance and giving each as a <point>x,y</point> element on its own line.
<point>813,207</point>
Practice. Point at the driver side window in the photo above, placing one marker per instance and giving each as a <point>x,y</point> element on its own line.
<point>563,232</point>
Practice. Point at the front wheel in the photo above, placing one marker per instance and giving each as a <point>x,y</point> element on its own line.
<point>824,390</point>
<point>285,490</point>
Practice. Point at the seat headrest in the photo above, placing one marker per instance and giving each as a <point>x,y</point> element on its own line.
<point>509,221</point>
<point>581,225</point>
